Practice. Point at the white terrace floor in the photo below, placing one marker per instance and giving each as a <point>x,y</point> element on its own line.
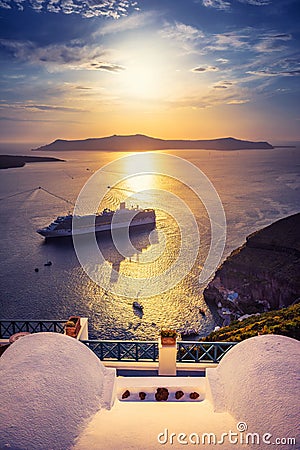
<point>56,386</point>
<point>136,424</point>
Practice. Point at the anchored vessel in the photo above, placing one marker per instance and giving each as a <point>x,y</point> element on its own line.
<point>106,220</point>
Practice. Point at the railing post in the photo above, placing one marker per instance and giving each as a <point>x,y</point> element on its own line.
<point>83,334</point>
<point>167,359</point>
<point>215,353</point>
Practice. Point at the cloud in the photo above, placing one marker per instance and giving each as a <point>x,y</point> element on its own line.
<point>186,37</point>
<point>276,67</point>
<point>39,107</point>
<point>209,101</point>
<point>230,94</point>
<point>19,119</point>
<point>194,40</point>
<point>217,4</point>
<point>181,32</point>
<point>235,39</point>
<point>14,77</point>
<point>4,4</point>
<point>105,66</point>
<point>205,69</point>
<point>82,88</point>
<point>132,22</point>
<point>238,101</point>
<point>226,5</point>
<point>256,2</point>
<point>290,63</point>
<point>74,56</point>
<point>32,107</point>
<point>222,60</point>
<point>36,112</point>
<point>284,36</point>
<point>247,39</point>
<point>87,8</point>
<point>223,84</point>
<point>269,73</point>
<point>272,43</point>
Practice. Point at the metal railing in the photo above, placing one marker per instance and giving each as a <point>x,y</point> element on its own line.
<point>124,350</point>
<point>127,351</point>
<point>189,352</point>
<point>207,352</point>
<point>10,327</point>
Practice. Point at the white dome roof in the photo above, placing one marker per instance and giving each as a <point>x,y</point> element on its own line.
<point>258,383</point>
<point>50,385</point>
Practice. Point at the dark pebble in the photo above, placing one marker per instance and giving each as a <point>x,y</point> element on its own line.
<point>161,394</point>
<point>194,395</point>
<point>179,394</point>
<point>126,394</point>
<point>142,395</point>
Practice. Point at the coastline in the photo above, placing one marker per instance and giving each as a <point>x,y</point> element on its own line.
<point>14,161</point>
<point>259,276</point>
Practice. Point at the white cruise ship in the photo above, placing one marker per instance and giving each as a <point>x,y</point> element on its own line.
<point>107,220</point>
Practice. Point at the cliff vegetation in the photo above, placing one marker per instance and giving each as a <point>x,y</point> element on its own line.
<point>285,321</point>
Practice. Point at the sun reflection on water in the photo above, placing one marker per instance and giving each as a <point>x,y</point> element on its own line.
<point>144,182</point>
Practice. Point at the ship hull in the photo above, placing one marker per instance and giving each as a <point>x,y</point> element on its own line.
<point>145,223</point>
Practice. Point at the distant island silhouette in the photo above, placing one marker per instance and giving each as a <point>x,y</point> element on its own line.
<point>12,161</point>
<point>140,142</point>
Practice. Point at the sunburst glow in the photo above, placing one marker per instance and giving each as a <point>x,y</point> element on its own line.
<point>146,72</point>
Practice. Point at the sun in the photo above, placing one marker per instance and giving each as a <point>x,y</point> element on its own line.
<point>146,72</point>
<point>142,82</point>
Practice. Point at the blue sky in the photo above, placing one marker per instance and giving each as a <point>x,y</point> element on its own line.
<point>172,69</point>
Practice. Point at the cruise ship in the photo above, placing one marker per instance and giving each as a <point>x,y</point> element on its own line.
<point>107,220</point>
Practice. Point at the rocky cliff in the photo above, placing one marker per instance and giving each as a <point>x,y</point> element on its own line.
<point>261,275</point>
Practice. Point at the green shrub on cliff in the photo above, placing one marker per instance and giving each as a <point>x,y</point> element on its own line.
<point>285,321</point>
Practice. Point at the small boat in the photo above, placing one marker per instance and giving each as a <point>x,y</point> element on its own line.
<point>138,306</point>
<point>48,263</point>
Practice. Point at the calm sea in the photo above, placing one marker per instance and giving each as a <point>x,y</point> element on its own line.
<point>256,188</point>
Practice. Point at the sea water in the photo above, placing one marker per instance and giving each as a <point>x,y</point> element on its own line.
<point>256,187</point>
